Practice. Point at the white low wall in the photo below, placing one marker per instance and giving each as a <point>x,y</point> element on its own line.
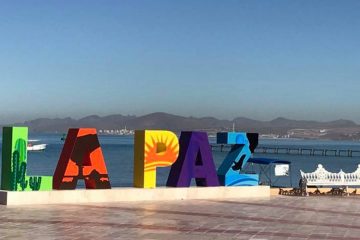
<point>131,194</point>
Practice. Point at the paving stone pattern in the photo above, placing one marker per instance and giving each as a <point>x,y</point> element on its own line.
<point>281,217</point>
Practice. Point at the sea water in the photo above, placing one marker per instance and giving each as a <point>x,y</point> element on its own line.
<point>118,154</point>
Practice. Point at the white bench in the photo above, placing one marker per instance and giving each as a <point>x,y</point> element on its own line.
<point>321,177</point>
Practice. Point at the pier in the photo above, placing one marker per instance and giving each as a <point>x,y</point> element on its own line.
<point>306,151</point>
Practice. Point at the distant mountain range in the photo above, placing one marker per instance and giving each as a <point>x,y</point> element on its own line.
<point>160,120</point>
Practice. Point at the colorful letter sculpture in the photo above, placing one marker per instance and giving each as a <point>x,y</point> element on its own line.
<point>153,149</point>
<point>244,145</point>
<point>81,158</point>
<point>195,161</point>
<point>14,161</point>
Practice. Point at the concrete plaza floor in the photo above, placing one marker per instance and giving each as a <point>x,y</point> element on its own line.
<point>281,217</point>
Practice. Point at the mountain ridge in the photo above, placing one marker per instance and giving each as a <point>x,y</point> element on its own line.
<point>161,120</point>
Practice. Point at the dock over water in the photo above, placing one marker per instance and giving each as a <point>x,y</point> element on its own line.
<point>295,151</point>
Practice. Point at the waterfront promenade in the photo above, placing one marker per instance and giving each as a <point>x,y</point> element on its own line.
<point>280,217</point>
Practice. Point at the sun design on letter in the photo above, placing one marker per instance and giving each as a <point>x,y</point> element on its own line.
<point>161,150</point>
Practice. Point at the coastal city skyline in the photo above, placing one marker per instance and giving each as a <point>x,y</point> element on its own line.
<point>260,60</point>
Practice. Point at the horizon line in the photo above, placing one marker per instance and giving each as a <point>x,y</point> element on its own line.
<point>178,115</point>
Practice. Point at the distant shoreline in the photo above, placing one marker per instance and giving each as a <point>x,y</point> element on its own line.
<point>278,128</point>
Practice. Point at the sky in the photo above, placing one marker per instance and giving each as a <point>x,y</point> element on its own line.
<point>257,59</point>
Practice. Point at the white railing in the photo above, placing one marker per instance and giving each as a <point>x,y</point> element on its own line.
<point>321,177</point>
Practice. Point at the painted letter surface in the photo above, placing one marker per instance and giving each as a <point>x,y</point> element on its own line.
<point>195,161</point>
<point>243,146</point>
<point>81,158</point>
<point>14,163</point>
<point>152,149</point>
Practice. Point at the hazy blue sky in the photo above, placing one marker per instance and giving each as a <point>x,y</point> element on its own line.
<point>260,59</point>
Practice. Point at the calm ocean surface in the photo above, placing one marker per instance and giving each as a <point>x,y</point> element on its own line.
<point>118,153</point>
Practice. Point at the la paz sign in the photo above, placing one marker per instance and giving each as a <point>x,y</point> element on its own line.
<point>190,157</point>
